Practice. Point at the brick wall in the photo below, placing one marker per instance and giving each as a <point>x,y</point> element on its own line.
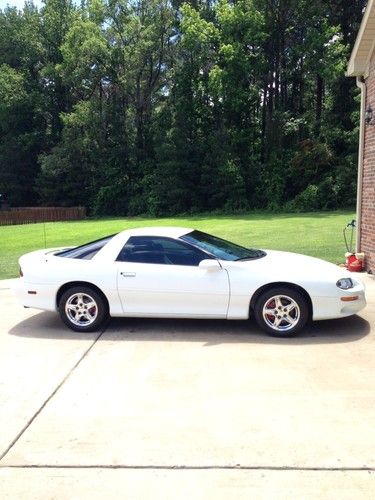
<point>368,190</point>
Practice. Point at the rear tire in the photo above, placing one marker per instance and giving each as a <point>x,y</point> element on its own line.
<point>83,309</point>
<point>281,312</point>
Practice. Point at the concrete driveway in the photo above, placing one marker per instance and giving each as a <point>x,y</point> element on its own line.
<point>175,409</point>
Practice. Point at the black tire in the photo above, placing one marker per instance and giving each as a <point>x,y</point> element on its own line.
<point>288,312</point>
<point>83,309</point>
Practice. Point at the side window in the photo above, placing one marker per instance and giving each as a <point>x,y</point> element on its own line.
<point>155,250</point>
<point>87,251</point>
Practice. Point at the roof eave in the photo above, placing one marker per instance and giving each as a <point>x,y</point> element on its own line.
<point>357,67</point>
<point>360,56</point>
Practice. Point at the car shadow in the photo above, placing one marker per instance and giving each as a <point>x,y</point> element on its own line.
<point>46,325</point>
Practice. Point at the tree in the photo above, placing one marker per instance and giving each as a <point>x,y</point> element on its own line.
<point>165,106</point>
<point>21,118</point>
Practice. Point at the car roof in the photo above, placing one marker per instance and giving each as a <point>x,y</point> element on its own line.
<point>171,232</point>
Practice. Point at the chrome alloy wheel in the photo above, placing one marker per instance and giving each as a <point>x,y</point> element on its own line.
<point>81,309</point>
<point>281,313</point>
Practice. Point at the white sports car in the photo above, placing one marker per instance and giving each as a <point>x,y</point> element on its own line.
<point>170,272</point>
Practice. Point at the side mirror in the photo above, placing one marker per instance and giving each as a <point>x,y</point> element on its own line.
<point>209,265</point>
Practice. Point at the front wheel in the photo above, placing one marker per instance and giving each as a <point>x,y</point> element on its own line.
<point>281,312</point>
<point>83,309</point>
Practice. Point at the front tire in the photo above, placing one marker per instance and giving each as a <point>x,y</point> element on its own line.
<point>281,312</point>
<point>83,309</point>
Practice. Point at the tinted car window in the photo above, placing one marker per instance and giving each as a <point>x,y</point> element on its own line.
<point>86,251</point>
<point>156,250</point>
<point>221,249</point>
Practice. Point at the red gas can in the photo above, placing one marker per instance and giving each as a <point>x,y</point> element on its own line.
<point>353,264</point>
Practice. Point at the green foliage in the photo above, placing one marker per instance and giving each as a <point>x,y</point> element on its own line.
<point>160,107</point>
<point>197,32</point>
<point>20,105</point>
<point>84,50</point>
<point>12,88</point>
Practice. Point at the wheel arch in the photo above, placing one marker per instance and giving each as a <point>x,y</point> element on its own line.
<point>285,284</point>
<point>72,284</point>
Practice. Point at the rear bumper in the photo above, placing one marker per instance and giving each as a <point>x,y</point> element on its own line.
<point>35,296</point>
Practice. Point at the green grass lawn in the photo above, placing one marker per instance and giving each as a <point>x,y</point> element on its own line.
<point>317,234</point>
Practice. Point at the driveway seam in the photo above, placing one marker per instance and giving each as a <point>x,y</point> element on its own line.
<point>193,467</point>
<point>31,420</point>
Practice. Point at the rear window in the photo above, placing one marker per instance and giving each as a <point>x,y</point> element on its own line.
<point>86,251</point>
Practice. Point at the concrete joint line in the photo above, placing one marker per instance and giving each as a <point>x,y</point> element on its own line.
<point>24,429</point>
<point>193,467</point>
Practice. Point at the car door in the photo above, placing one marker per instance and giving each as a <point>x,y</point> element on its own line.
<point>159,276</point>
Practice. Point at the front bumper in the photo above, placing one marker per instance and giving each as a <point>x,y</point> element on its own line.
<point>334,307</point>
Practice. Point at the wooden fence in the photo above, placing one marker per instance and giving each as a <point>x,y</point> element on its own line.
<point>29,215</point>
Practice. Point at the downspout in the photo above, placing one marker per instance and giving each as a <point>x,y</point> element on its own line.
<point>362,85</point>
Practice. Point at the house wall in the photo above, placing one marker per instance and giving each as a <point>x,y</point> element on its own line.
<point>368,190</point>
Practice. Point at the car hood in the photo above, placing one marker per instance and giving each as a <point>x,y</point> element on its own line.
<point>292,266</point>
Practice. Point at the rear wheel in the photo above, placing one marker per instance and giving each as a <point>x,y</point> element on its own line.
<point>83,309</point>
<point>281,312</point>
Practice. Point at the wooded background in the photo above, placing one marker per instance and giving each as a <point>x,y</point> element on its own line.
<point>166,107</point>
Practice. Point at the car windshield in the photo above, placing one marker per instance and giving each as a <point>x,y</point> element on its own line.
<point>86,251</point>
<point>221,249</point>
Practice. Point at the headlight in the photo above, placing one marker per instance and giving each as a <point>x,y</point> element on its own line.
<point>345,283</point>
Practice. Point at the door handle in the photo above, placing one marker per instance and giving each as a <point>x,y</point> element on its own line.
<point>128,275</point>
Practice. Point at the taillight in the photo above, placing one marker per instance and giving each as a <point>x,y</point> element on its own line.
<point>21,273</point>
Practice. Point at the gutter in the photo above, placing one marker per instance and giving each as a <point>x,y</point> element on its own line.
<point>362,85</point>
